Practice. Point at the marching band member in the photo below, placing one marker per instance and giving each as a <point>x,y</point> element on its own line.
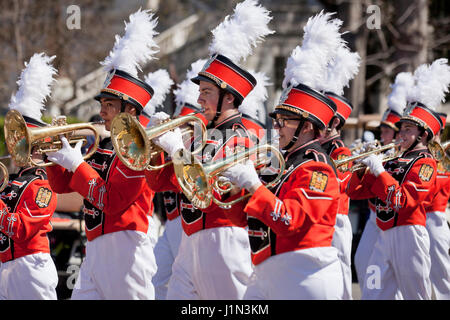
<point>119,261</point>
<point>161,83</point>
<point>186,98</point>
<point>166,247</point>
<point>404,187</point>
<point>27,203</point>
<point>389,132</point>
<point>388,129</point>
<point>343,69</point>
<point>291,225</point>
<point>213,260</point>
<point>438,230</point>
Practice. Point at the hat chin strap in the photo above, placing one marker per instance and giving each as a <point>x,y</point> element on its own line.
<point>122,105</point>
<point>414,144</point>
<point>219,106</point>
<point>295,137</point>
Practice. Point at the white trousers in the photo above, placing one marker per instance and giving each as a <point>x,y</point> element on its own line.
<point>32,277</point>
<point>166,250</point>
<point>439,233</point>
<point>118,266</point>
<point>365,247</point>
<point>342,241</point>
<point>154,229</point>
<point>308,274</point>
<point>212,264</point>
<point>400,261</point>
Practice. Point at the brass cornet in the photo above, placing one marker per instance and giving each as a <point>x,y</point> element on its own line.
<point>21,140</point>
<point>341,162</point>
<point>5,177</point>
<point>198,180</point>
<point>133,143</point>
<point>441,152</point>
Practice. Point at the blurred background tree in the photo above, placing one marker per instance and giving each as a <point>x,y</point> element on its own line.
<point>412,32</point>
<point>30,26</point>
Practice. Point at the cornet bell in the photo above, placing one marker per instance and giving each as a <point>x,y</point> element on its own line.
<point>20,140</point>
<point>198,180</point>
<point>441,152</point>
<point>133,144</point>
<point>5,176</point>
<point>17,137</point>
<point>193,179</point>
<point>130,144</point>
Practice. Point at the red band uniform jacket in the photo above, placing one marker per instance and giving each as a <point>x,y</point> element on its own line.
<point>116,198</point>
<point>442,190</point>
<point>222,138</point>
<point>403,191</point>
<point>300,211</point>
<point>27,205</point>
<point>337,150</point>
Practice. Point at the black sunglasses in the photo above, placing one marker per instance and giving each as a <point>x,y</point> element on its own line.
<point>281,122</point>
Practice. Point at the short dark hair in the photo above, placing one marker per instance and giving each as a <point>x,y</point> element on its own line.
<point>236,102</point>
<point>316,131</point>
<point>138,112</point>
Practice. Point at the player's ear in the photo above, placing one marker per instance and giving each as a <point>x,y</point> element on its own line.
<point>131,109</point>
<point>307,126</point>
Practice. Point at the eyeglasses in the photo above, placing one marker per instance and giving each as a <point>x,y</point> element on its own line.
<point>281,122</point>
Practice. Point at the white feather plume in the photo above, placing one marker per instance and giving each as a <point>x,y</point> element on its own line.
<point>236,36</point>
<point>34,86</point>
<point>308,62</point>
<point>253,104</point>
<point>404,82</point>
<point>341,70</point>
<point>432,83</point>
<point>187,91</point>
<point>136,47</point>
<point>161,83</point>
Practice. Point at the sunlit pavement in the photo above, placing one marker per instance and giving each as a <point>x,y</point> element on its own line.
<point>356,292</point>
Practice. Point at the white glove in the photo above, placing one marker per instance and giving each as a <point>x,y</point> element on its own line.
<point>67,157</point>
<point>170,142</point>
<point>157,118</point>
<point>375,163</point>
<point>243,175</point>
